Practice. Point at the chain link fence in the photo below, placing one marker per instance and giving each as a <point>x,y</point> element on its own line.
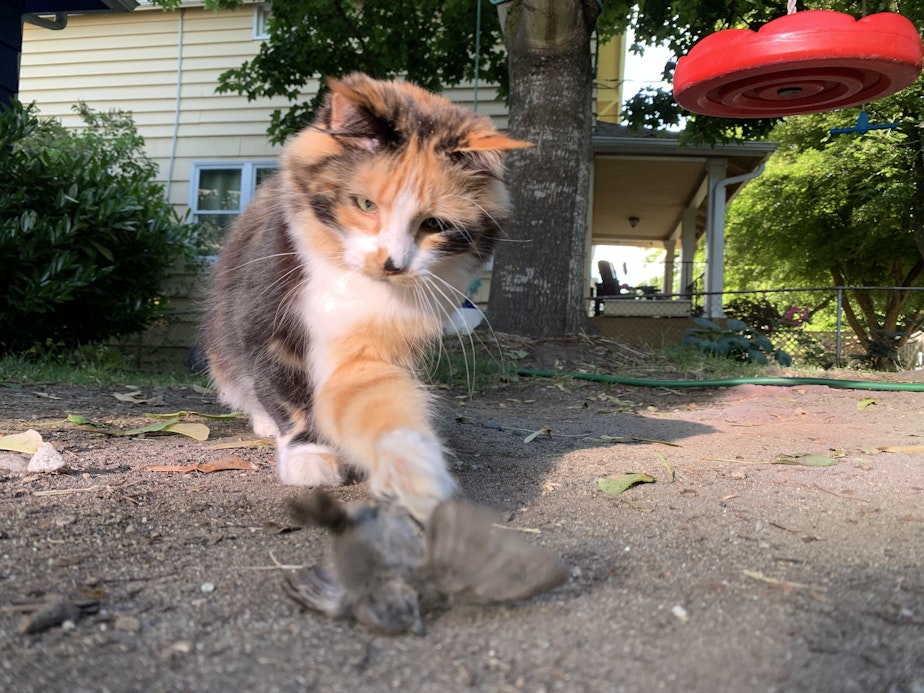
<point>865,326</point>
<point>813,325</point>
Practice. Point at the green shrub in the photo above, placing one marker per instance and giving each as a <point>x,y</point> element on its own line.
<point>86,235</point>
<point>734,340</point>
<point>758,312</point>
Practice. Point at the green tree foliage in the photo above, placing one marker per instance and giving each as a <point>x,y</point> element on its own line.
<point>429,42</point>
<point>432,43</point>
<point>841,210</point>
<point>86,236</point>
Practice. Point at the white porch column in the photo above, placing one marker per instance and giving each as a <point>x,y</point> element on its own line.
<point>687,249</point>
<point>670,252</point>
<point>715,239</point>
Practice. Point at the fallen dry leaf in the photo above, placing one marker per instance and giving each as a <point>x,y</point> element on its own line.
<point>670,470</point>
<point>222,465</point>
<point>906,449</point>
<point>544,431</point>
<point>196,431</point>
<point>183,413</point>
<point>634,439</point>
<point>804,459</point>
<point>785,584</point>
<point>258,443</point>
<point>26,442</point>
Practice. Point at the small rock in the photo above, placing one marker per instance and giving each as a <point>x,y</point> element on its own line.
<point>127,624</point>
<point>680,613</point>
<point>46,459</point>
<point>177,649</point>
<point>207,587</point>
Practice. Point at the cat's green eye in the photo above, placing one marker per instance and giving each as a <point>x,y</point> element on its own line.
<point>433,225</point>
<point>366,205</point>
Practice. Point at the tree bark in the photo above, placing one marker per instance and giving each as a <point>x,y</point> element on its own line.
<point>538,285</point>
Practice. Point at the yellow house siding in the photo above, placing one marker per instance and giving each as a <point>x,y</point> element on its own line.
<point>131,62</point>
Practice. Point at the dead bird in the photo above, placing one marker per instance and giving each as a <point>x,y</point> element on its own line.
<point>383,565</point>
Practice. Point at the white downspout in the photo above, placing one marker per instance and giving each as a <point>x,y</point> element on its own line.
<point>176,103</point>
<point>715,241</point>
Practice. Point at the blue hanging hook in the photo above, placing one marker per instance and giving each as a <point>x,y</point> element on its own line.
<point>863,126</point>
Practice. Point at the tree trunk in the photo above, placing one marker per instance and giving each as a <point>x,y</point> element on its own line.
<point>538,286</point>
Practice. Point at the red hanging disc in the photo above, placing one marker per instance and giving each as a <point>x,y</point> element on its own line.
<point>805,62</point>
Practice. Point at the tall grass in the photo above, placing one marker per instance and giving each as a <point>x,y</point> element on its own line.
<point>88,366</point>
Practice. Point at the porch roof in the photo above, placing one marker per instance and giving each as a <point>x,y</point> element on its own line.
<point>652,177</point>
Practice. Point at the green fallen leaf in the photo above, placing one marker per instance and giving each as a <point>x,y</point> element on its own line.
<point>171,425</point>
<point>614,485</point>
<point>864,403</point>
<point>81,420</point>
<point>670,470</point>
<point>805,459</point>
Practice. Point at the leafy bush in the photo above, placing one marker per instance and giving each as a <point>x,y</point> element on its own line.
<point>758,312</point>
<point>766,317</point>
<point>86,235</point>
<point>735,340</point>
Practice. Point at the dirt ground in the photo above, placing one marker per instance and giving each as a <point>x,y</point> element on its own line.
<point>737,575</point>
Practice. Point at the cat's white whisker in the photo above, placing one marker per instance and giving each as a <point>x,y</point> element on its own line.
<point>430,282</point>
<point>499,360</point>
<point>262,258</point>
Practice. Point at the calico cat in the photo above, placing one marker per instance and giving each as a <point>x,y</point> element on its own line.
<point>343,270</point>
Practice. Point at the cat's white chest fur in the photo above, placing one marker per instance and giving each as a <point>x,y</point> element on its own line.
<point>337,301</point>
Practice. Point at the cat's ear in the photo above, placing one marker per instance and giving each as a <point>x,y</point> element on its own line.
<point>492,141</point>
<point>483,152</point>
<point>350,116</point>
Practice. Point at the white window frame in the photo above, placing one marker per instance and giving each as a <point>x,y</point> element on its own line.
<point>249,170</point>
<point>261,14</point>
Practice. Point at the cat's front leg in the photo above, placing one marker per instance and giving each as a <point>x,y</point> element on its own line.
<point>379,417</point>
<point>411,467</point>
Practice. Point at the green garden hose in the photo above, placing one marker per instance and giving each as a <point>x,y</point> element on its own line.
<point>725,382</point>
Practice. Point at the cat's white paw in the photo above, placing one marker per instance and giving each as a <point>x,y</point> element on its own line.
<point>263,425</point>
<point>411,469</point>
<point>308,464</point>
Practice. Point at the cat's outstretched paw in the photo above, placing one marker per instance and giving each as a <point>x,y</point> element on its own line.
<point>410,468</point>
<point>308,464</point>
